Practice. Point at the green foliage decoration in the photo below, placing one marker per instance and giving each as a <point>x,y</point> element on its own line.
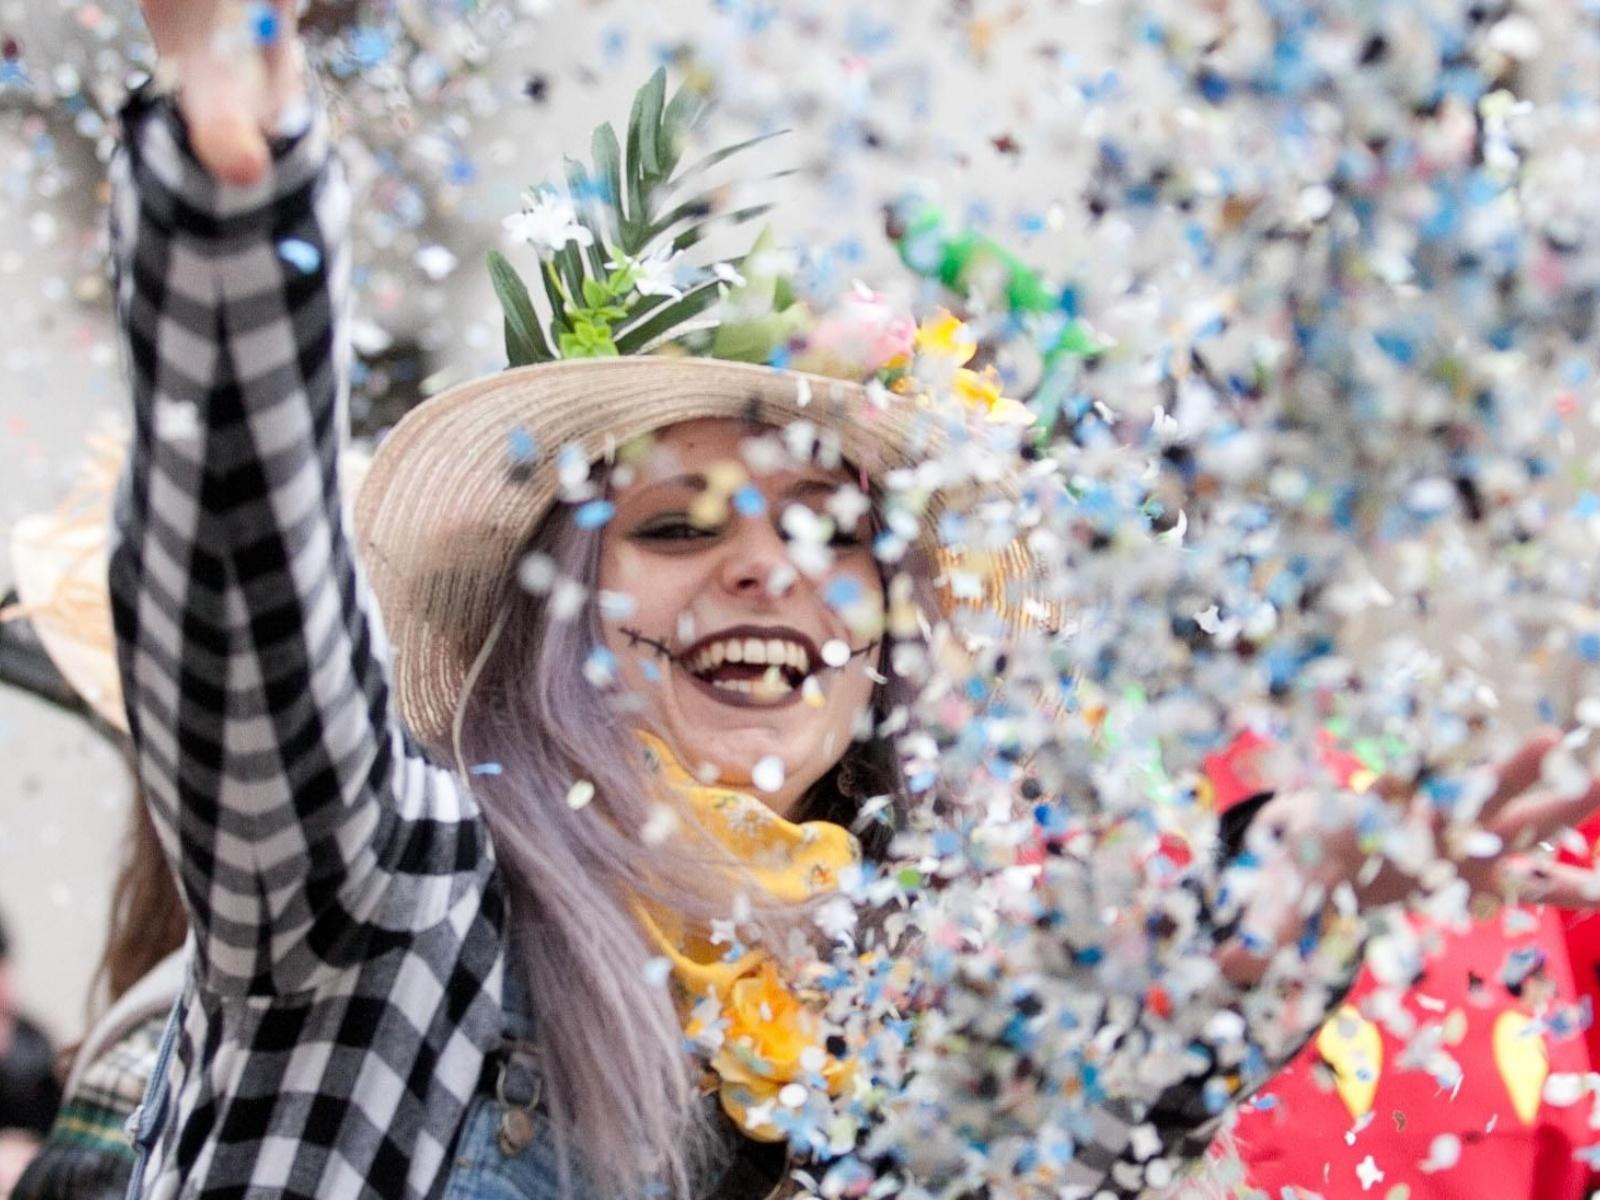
<point>598,297</point>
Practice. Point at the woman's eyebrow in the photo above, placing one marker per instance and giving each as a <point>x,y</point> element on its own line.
<point>807,487</point>
<point>691,482</point>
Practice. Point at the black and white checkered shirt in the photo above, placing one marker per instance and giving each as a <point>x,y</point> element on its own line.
<point>342,889</point>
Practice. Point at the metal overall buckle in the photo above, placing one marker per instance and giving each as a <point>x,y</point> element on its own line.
<point>517,1125</point>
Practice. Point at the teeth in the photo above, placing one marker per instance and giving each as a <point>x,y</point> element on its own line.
<point>773,684</point>
<point>708,659</point>
<point>769,652</point>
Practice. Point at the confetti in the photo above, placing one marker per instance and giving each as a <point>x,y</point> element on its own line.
<point>594,514</point>
<point>580,794</point>
<point>300,254</point>
<point>768,774</point>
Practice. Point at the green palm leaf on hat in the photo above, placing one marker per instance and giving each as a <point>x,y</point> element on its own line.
<point>606,242</point>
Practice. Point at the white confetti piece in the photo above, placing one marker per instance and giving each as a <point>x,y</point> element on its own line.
<point>768,774</point>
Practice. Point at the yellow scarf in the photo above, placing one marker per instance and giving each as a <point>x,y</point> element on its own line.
<point>768,1028</point>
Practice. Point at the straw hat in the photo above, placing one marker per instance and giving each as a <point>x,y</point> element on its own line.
<point>59,560</point>
<point>447,508</point>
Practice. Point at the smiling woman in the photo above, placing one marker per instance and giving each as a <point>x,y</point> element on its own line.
<point>714,660</point>
<point>734,672</point>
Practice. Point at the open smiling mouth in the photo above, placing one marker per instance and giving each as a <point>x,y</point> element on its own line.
<point>750,665</point>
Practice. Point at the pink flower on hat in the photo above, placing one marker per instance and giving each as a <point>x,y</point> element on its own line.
<point>859,337</point>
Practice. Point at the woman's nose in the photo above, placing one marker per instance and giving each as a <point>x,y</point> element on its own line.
<point>753,557</point>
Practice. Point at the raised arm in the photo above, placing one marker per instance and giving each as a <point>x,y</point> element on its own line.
<point>307,835</point>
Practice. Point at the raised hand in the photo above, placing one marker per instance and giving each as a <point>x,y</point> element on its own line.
<point>237,69</point>
<point>1499,854</point>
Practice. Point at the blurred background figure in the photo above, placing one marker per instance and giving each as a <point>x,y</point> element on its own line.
<point>58,559</point>
<point>29,1093</point>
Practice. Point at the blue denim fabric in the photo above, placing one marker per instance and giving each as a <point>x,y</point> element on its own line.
<point>482,1170</point>
<point>144,1125</point>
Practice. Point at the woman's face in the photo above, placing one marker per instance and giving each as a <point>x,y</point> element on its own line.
<point>736,654</point>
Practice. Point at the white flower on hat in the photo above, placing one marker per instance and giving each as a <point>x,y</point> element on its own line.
<point>655,273</point>
<point>547,222</point>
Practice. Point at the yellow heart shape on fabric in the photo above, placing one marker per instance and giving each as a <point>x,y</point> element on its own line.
<point>1523,1060</point>
<point>1352,1046</point>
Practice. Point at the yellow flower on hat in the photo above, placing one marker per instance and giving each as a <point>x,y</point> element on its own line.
<point>944,335</point>
<point>945,347</point>
<point>981,390</point>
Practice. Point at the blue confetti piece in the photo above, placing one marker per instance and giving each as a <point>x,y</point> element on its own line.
<point>1213,87</point>
<point>749,502</point>
<point>488,768</point>
<point>1215,1095</point>
<point>594,514</point>
<point>842,591</point>
<point>264,25</point>
<point>369,46</point>
<point>867,36</point>
<point>521,446</point>
<point>300,254</point>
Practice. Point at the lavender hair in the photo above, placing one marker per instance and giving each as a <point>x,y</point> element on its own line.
<point>616,1066</point>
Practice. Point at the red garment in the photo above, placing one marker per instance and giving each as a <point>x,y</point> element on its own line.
<point>1306,1136</point>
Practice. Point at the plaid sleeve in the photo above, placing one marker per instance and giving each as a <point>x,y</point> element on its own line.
<point>308,835</point>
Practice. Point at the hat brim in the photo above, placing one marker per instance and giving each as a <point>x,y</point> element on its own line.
<point>452,497</point>
<point>59,564</point>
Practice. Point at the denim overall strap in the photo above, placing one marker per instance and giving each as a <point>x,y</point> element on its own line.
<point>518,1077</point>
<point>144,1123</point>
<point>506,1149</point>
<point>517,1004</point>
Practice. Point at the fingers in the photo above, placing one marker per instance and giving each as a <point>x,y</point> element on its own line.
<point>1519,772</point>
<point>224,126</point>
<point>237,71</point>
<point>1560,885</point>
<point>1539,816</point>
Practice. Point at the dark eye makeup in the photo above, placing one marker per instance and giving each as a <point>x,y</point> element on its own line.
<point>678,528</point>
<point>673,527</point>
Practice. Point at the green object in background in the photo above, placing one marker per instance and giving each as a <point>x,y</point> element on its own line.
<point>970,263</point>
